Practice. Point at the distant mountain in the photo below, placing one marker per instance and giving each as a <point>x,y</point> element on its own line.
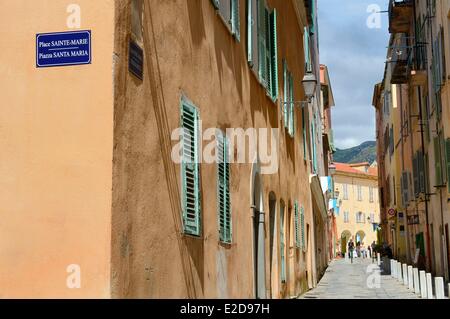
<point>366,152</point>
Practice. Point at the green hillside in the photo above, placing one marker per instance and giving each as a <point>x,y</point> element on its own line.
<point>366,152</point>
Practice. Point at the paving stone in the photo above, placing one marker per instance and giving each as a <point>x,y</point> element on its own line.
<point>344,280</point>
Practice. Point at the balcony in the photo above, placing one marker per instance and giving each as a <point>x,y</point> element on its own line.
<point>400,16</point>
<point>400,61</point>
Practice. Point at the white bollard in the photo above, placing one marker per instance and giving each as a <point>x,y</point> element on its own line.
<point>390,266</point>
<point>399,272</point>
<point>423,284</point>
<point>416,281</point>
<point>405,274</point>
<point>439,284</point>
<point>379,259</point>
<point>410,278</point>
<point>394,269</point>
<point>429,286</point>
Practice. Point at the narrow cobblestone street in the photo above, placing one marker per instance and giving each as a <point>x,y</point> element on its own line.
<point>344,280</point>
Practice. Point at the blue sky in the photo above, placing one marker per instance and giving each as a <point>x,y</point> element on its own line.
<point>355,55</point>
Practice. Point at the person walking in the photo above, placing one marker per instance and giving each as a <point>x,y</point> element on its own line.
<point>351,247</point>
<point>373,246</point>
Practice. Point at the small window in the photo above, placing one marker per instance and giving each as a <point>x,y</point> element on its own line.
<point>359,187</point>
<point>345,189</point>
<point>346,217</point>
<point>371,194</point>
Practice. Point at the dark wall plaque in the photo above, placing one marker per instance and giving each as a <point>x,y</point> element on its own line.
<point>136,60</point>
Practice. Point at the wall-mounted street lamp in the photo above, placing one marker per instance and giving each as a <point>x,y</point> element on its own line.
<point>309,86</point>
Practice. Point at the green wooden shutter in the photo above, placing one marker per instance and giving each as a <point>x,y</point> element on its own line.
<point>274,54</point>
<point>291,106</point>
<point>416,176</point>
<point>282,246</point>
<point>306,42</point>
<point>447,148</point>
<point>250,31</point>
<point>262,43</point>
<point>190,170</point>
<point>302,228</point>
<point>235,19</point>
<point>297,226</point>
<point>422,181</point>
<point>437,161</point>
<point>286,95</point>
<point>223,190</point>
<point>305,156</point>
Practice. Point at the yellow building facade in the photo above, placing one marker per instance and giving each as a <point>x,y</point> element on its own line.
<point>359,214</point>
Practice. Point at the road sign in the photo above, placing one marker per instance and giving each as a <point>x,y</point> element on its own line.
<point>391,212</point>
<point>63,49</point>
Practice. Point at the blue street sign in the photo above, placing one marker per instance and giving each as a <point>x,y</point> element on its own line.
<point>63,48</point>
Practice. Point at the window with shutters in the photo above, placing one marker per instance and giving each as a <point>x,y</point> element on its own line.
<point>438,162</point>
<point>223,189</point>
<point>304,127</point>
<point>360,218</point>
<point>346,217</point>
<point>303,229</point>
<point>345,189</point>
<point>229,11</point>
<point>371,194</point>
<point>268,49</point>
<point>307,49</point>
<point>190,169</point>
<point>297,226</point>
<point>282,243</point>
<point>288,103</point>
<point>359,187</point>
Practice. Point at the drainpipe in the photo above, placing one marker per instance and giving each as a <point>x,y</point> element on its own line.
<point>428,256</point>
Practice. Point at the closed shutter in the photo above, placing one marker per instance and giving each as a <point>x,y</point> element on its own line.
<point>297,226</point>
<point>223,191</point>
<point>274,54</point>
<point>291,106</point>
<point>286,95</point>
<point>262,43</point>
<point>282,246</point>
<point>235,19</point>
<point>447,148</point>
<point>416,176</point>
<point>302,228</point>
<point>305,155</point>
<point>190,170</point>
<point>437,161</point>
<point>422,181</point>
<point>306,42</point>
<point>250,27</point>
<point>252,34</point>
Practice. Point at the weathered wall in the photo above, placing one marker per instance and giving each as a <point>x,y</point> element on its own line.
<point>55,163</point>
<point>190,51</point>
